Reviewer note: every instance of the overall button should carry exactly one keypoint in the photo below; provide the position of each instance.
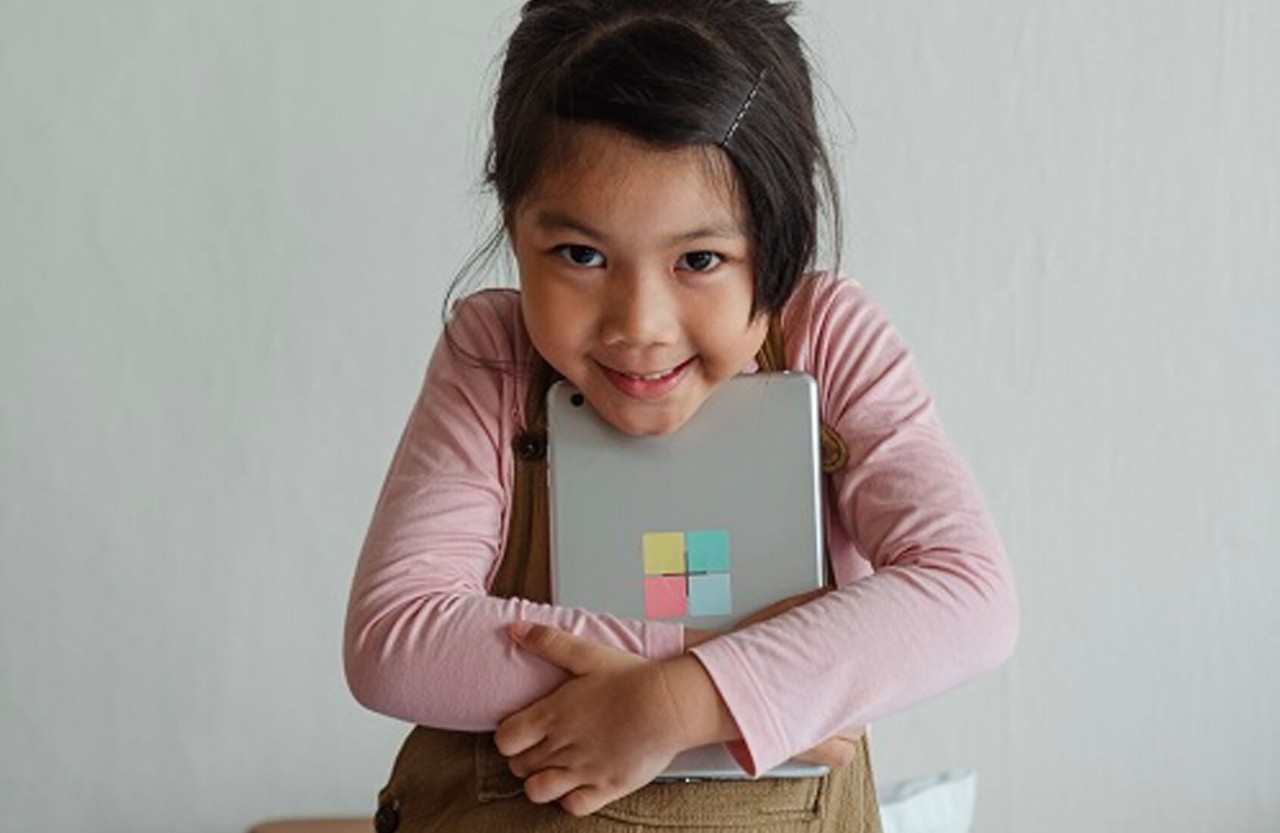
(387, 819)
(530, 446)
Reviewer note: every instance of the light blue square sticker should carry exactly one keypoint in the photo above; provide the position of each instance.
(710, 595)
(708, 550)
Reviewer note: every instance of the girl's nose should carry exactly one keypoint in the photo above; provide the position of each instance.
(640, 309)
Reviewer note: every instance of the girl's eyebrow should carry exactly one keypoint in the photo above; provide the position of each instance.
(549, 220)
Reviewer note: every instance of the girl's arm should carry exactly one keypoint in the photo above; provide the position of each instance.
(424, 641)
(926, 599)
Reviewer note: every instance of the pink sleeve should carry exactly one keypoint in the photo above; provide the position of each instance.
(926, 600)
(424, 641)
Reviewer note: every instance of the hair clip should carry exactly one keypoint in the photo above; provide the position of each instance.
(742, 112)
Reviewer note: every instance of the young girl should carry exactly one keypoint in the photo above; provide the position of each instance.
(658, 166)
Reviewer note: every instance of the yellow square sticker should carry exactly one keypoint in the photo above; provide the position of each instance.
(663, 553)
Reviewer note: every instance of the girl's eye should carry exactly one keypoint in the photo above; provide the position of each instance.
(581, 256)
(700, 261)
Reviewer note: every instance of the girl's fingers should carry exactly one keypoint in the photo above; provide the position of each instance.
(550, 784)
(780, 607)
(539, 757)
(835, 752)
(574, 654)
(585, 800)
(518, 733)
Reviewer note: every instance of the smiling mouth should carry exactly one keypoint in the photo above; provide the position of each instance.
(655, 376)
(649, 385)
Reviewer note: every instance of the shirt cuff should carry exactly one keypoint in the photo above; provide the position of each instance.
(763, 745)
(662, 640)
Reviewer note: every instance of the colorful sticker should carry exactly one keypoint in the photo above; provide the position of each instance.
(687, 574)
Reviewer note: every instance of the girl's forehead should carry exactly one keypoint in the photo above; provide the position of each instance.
(600, 166)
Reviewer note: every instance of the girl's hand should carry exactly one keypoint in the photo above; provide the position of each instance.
(836, 751)
(694, 637)
(613, 727)
(780, 607)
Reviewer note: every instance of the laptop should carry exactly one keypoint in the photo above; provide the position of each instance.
(703, 526)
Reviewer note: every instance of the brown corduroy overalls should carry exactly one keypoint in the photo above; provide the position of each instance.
(445, 782)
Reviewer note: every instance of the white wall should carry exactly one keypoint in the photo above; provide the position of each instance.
(225, 230)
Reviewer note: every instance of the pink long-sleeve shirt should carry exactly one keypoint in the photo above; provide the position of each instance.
(925, 602)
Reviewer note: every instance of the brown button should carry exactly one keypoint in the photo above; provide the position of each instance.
(530, 445)
(387, 819)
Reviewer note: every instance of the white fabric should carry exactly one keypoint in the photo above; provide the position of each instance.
(939, 803)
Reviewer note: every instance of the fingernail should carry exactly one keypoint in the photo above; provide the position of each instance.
(519, 630)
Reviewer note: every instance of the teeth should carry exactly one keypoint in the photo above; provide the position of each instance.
(650, 377)
(646, 377)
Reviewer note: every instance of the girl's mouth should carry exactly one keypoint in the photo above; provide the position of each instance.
(651, 385)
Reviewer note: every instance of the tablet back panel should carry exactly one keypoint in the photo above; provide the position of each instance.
(702, 526)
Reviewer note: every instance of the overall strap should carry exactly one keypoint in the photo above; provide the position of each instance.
(773, 357)
(525, 571)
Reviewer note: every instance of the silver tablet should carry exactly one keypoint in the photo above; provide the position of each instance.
(703, 526)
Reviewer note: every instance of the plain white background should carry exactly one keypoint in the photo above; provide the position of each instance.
(225, 233)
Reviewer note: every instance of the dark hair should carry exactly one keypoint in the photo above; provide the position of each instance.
(730, 74)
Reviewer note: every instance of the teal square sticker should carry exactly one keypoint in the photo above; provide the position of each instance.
(708, 551)
(710, 595)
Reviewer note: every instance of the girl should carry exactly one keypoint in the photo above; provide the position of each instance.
(658, 166)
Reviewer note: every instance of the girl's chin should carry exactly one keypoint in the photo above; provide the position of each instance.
(647, 428)
(640, 419)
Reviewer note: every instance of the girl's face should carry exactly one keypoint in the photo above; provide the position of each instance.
(636, 278)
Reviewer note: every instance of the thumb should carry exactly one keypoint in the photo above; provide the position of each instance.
(574, 654)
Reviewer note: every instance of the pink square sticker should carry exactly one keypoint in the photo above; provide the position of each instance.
(664, 597)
